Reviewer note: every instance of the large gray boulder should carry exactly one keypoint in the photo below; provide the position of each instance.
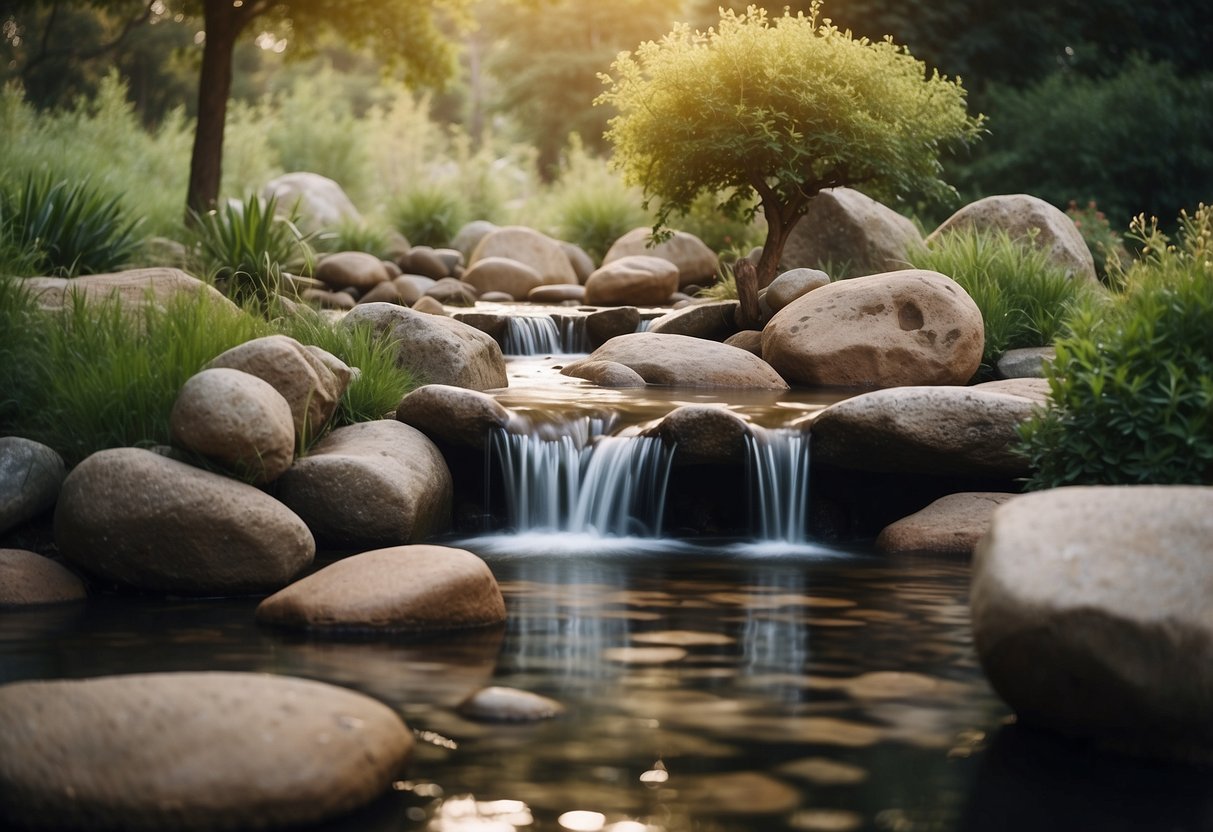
(682, 361)
(696, 262)
(925, 430)
(1027, 218)
(311, 380)
(236, 420)
(402, 588)
(377, 483)
(846, 229)
(319, 202)
(144, 521)
(1090, 610)
(540, 252)
(886, 330)
(192, 751)
(438, 349)
(30, 477)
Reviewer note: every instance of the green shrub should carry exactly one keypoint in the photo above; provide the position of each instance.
(66, 229)
(1106, 246)
(246, 248)
(1131, 390)
(721, 232)
(428, 214)
(352, 235)
(1024, 299)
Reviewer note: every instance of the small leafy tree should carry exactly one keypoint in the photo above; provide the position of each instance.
(779, 108)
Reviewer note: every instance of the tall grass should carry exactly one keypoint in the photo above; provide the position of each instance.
(428, 214)
(1024, 298)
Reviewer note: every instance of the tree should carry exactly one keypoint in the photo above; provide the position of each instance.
(779, 108)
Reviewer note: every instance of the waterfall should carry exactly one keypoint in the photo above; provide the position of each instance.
(584, 482)
(643, 325)
(778, 468)
(545, 335)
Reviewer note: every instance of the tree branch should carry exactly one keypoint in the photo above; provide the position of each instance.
(45, 53)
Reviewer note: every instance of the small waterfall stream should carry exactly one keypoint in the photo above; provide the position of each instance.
(545, 335)
(583, 481)
(778, 469)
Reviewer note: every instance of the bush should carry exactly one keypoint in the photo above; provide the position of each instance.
(429, 214)
(352, 235)
(1023, 297)
(719, 231)
(65, 229)
(1106, 246)
(1131, 391)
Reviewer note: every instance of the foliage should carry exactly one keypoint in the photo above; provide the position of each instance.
(246, 248)
(66, 228)
(429, 214)
(1131, 390)
(1024, 299)
(1107, 247)
(1119, 140)
(352, 235)
(780, 108)
(719, 231)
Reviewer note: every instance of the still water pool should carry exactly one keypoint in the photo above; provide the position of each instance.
(821, 692)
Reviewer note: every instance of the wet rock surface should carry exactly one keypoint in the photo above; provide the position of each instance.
(679, 360)
(31, 475)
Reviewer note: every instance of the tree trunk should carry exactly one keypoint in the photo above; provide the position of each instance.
(749, 315)
(772, 249)
(224, 23)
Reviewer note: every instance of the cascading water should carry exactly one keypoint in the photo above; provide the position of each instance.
(545, 335)
(778, 468)
(583, 481)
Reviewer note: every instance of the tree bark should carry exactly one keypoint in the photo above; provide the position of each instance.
(223, 22)
(749, 315)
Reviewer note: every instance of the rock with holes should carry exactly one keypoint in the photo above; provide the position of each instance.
(192, 751)
(30, 477)
(951, 525)
(850, 233)
(402, 588)
(713, 320)
(318, 201)
(438, 349)
(540, 252)
(453, 414)
(900, 328)
(953, 431)
(1030, 219)
(635, 280)
(29, 579)
(501, 274)
(695, 261)
(1091, 616)
(682, 361)
(371, 484)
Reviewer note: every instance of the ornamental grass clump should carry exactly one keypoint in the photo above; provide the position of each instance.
(1024, 298)
(770, 111)
(1131, 390)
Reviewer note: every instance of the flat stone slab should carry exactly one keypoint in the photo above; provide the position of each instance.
(192, 751)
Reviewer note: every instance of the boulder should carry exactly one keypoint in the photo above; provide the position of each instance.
(1036, 389)
(1026, 218)
(1090, 611)
(605, 324)
(192, 751)
(583, 264)
(370, 484)
(749, 340)
(695, 261)
(1028, 362)
(712, 320)
(500, 704)
(383, 293)
(540, 252)
(682, 361)
(351, 270)
(403, 588)
(393, 271)
(562, 293)
(638, 280)
(951, 525)
(494, 324)
(237, 420)
(29, 579)
(924, 430)
(500, 274)
(470, 235)
(452, 258)
(430, 306)
(496, 297)
(319, 202)
(902, 328)
(310, 379)
(412, 287)
(133, 290)
(438, 349)
(704, 434)
(328, 300)
(452, 292)
(424, 261)
(850, 232)
(608, 374)
(793, 284)
(31, 475)
(144, 521)
(452, 414)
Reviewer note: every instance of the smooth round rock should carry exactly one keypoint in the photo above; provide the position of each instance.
(192, 751)
(714, 320)
(452, 414)
(793, 284)
(320, 202)
(429, 306)
(351, 270)
(609, 374)
(425, 261)
(696, 262)
(148, 522)
(749, 340)
(540, 252)
(133, 290)
(635, 280)
(31, 475)
(383, 293)
(468, 237)
(501, 274)
(452, 292)
(236, 419)
(29, 579)
(402, 588)
(1027, 362)
(704, 434)
(951, 525)
(850, 231)
(501, 704)
(1091, 614)
(605, 324)
(682, 361)
(557, 293)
